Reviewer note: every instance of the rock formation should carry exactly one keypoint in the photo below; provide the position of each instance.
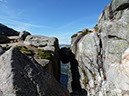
(23, 35)
(21, 77)
(44, 50)
(50, 44)
(103, 56)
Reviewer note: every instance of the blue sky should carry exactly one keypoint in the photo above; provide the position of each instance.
(55, 18)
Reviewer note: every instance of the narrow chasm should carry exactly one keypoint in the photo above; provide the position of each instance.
(65, 62)
(70, 68)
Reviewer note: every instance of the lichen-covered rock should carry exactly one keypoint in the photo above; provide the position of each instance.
(103, 56)
(21, 77)
(48, 45)
(40, 41)
(114, 10)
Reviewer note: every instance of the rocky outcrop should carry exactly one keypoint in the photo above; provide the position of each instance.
(21, 77)
(49, 44)
(4, 30)
(103, 56)
(23, 35)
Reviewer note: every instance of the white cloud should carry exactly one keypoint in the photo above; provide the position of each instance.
(5, 1)
(13, 18)
(19, 25)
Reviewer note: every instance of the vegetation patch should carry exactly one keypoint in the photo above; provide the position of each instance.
(85, 80)
(44, 54)
(25, 50)
(82, 32)
(96, 28)
(74, 35)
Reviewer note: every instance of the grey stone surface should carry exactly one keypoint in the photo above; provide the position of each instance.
(38, 40)
(114, 10)
(21, 77)
(47, 43)
(1, 50)
(103, 56)
(23, 35)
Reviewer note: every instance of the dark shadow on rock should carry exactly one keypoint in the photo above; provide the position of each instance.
(76, 87)
(67, 56)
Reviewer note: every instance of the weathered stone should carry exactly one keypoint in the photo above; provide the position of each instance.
(46, 64)
(21, 77)
(103, 58)
(40, 41)
(24, 34)
(47, 43)
(1, 50)
(114, 10)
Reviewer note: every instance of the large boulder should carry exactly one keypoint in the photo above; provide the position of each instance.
(40, 41)
(87, 56)
(21, 77)
(114, 10)
(23, 35)
(49, 44)
(103, 56)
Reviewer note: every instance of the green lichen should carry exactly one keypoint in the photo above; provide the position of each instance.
(73, 35)
(85, 80)
(25, 50)
(84, 33)
(44, 54)
(97, 29)
(83, 71)
(118, 47)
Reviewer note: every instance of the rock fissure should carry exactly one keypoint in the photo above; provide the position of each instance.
(123, 6)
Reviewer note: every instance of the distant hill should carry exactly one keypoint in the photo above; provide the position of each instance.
(64, 45)
(4, 30)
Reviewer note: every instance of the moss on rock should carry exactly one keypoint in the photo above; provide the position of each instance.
(44, 54)
(25, 50)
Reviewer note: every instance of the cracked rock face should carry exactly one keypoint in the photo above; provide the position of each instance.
(103, 56)
(21, 77)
